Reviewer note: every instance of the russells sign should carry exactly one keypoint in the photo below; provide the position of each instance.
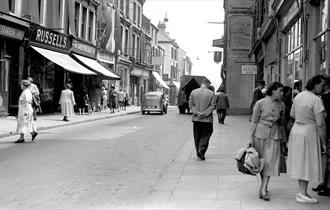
(49, 37)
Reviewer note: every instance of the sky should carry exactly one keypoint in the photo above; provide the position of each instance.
(188, 25)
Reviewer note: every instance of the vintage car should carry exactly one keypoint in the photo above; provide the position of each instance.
(154, 102)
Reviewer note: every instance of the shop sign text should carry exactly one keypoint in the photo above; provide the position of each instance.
(11, 32)
(50, 38)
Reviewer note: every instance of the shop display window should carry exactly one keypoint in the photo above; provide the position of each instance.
(43, 73)
(295, 72)
(324, 67)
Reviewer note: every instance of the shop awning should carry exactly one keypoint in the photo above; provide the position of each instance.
(176, 84)
(160, 80)
(93, 64)
(63, 60)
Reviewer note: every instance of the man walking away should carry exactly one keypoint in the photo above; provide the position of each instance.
(222, 105)
(257, 94)
(202, 104)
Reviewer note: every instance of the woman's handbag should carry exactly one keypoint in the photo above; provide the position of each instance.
(248, 161)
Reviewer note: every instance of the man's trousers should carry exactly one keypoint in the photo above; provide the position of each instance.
(221, 115)
(202, 134)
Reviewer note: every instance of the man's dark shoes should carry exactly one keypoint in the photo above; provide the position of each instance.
(324, 192)
(19, 141)
(34, 135)
(318, 188)
(65, 119)
(201, 156)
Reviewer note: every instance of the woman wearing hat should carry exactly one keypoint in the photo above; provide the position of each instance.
(104, 99)
(67, 102)
(25, 113)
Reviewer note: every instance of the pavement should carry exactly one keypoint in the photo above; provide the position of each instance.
(48, 121)
(216, 183)
(190, 183)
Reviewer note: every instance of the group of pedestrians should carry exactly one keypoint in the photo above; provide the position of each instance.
(115, 100)
(301, 125)
(29, 105)
(291, 135)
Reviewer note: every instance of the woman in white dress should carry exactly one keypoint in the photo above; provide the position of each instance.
(307, 138)
(67, 102)
(104, 98)
(25, 113)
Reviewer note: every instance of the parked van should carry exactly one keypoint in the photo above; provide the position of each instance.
(154, 102)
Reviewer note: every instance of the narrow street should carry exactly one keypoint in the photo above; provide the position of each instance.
(112, 162)
(137, 162)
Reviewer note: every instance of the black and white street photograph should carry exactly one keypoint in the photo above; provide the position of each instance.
(164, 105)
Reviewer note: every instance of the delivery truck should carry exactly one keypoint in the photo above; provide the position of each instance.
(187, 85)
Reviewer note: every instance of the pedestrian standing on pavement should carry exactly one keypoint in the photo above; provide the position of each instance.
(67, 102)
(257, 94)
(36, 100)
(266, 136)
(121, 99)
(323, 189)
(81, 99)
(104, 99)
(307, 138)
(25, 113)
(125, 99)
(112, 99)
(202, 104)
(287, 100)
(222, 105)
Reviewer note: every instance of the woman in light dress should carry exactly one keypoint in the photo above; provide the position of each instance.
(307, 138)
(67, 102)
(104, 95)
(266, 134)
(25, 113)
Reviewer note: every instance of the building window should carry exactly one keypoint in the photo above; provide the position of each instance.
(139, 16)
(127, 8)
(122, 38)
(116, 3)
(294, 55)
(83, 23)
(126, 41)
(133, 45)
(76, 17)
(134, 12)
(122, 6)
(325, 66)
(138, 51)
(90, 26)
(12, 6)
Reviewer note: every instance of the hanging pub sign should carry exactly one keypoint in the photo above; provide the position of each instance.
(45, 36)
(217, 56)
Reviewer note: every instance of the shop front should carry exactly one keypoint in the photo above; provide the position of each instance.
(86, 55)
(138, 86)
(51, 66)
(12, 31)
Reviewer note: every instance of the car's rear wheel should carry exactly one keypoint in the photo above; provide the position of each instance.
(143, 112)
